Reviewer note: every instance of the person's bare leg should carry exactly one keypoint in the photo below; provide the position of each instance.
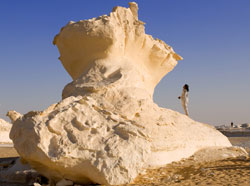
(186, 110)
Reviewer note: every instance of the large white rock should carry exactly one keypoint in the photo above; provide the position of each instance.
(107, 128)
(4, 131)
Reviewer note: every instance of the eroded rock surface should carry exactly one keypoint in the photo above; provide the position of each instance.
(107, 128)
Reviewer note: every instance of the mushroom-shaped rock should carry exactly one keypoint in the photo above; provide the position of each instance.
(107, 128)
(115, 40)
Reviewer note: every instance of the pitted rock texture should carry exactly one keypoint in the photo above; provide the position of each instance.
(107, 128)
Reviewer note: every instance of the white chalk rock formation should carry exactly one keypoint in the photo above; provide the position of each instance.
(115, 42)
(4, 131)
(245, 125)
(107, 128)
(13, 115)
(219, 153)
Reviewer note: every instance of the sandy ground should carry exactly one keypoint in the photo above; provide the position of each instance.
(187, 172)
(8, 152)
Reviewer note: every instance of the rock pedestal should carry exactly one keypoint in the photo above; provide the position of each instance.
(107, 128)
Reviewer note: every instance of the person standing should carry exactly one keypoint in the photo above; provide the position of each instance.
(184, 98)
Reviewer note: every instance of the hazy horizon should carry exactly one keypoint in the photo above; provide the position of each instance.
(212, 36)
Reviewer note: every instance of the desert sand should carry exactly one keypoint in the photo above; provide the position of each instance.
(233, 171)
(7, 152)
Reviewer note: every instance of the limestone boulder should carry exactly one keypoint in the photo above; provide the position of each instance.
(107, 129)
(4, 131)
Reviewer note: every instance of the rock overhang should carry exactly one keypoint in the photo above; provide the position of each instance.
(120, 37)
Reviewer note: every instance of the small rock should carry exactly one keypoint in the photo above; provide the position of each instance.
(203, 169)
(64, 182)
(36, 184)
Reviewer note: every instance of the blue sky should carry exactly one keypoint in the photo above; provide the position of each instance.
(213, 37)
